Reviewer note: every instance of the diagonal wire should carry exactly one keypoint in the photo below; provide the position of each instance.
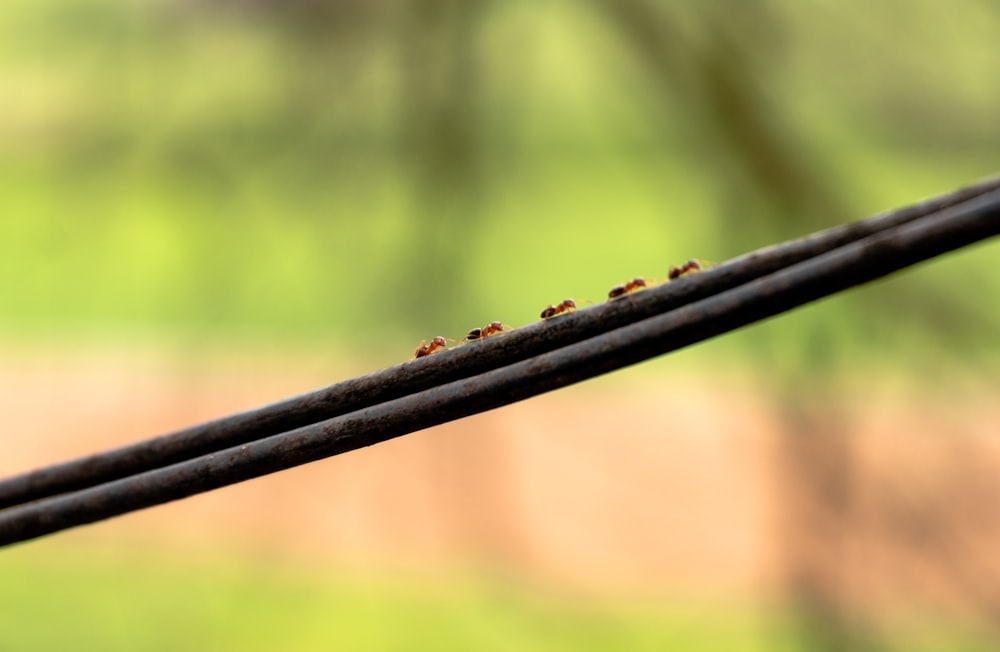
(862, 260)
(463, 362)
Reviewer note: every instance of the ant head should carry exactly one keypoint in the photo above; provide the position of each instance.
(495, 325)
(569, 303)
(439, 341)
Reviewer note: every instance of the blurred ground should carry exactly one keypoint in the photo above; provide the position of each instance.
(638, 484)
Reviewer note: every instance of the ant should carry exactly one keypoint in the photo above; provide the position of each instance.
(631, 286)
(690, 266)
(565, 306)
(486, 331)
(426, 349)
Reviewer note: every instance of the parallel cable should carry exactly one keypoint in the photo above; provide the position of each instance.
(862, 260)
(462, 362)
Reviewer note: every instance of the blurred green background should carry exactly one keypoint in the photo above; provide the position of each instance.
(366, 174)
(342, 179)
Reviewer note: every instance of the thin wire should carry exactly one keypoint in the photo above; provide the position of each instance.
(859, 262)
(455, 364)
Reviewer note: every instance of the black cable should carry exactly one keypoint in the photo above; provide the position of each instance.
(861, 261)
(462, 362)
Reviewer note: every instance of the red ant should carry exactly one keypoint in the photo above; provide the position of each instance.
(426, 349)
(631, 286)
(565, 306)
(690, 266)
(486, 331)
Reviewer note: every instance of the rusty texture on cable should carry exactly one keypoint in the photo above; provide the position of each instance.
(496, 371)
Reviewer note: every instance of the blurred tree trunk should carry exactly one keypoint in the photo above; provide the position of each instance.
(441, 151)
(816, 482)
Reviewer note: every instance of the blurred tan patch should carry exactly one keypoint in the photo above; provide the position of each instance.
(631, 482)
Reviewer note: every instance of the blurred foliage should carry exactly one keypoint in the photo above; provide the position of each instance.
(357, 173)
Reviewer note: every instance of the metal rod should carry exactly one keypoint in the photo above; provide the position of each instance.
(462, 362)
(859, 262)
